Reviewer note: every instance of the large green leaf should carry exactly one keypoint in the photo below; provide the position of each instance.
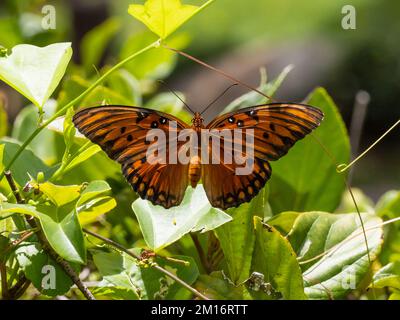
(40, 269)
(332, 251)
(274, 257)
(122, 271)
(163, 17)
(237, 237)
(306, 178)
(161, 227)
(35, 72)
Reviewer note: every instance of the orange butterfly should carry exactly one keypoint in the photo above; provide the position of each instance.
(121, 132)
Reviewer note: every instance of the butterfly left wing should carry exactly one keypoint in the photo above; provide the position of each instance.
(121, 132)
(276, 128)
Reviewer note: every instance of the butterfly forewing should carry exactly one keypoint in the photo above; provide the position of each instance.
(275, 129)
(121, 132)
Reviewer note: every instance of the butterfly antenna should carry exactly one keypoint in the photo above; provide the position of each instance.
(176, 95)
(223, 73)
(219, 97)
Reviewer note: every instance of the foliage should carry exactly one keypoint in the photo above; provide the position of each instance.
(300, 238)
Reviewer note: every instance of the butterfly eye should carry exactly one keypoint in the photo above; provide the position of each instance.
(240, 123)
(231, 120)
(154, 124)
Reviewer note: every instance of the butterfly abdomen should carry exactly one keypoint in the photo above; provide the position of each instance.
(194, 171)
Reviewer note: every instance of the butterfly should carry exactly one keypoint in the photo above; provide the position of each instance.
(121, 132)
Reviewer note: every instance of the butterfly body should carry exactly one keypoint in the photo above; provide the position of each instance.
(195, 161)
(122, 132)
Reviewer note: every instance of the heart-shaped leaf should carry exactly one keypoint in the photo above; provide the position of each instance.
(35, 72)
(161, 227)
(332, 251)
(163, 17)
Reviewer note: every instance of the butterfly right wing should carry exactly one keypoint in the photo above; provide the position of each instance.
(121, 132)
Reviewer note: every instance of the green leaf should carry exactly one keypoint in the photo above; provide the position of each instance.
(123, 82)
(163, 17)
(274, 257)
(388, 276)
(121, 271)
(388, 207)
(26, 164)
(35, 72)
(155, 64)
(93, 202)
(96, 40)
(38, 267)
(336, 245)
(60, 195)
(253, 98)
(283, 221)
(307, 176)
(91, 211)
(60, 226)
(26, 122)
(237, 237)
(161, 227)
(82, 157)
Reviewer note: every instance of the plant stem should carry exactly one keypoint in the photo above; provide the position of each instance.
(155, 266)
(200, 252)
(72, 103)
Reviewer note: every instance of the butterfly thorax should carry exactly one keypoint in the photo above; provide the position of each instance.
(198, 122)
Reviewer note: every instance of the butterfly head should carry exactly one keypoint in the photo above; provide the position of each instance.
(198, 120)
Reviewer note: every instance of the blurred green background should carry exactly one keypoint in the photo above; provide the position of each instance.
(241, 37)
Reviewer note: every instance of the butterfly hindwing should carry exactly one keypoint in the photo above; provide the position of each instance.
(276, 128)
(121, 132)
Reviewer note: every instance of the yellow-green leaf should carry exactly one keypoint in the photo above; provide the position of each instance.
(163, 17)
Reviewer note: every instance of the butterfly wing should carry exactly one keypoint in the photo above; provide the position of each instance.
(121, 132)
(276, 129)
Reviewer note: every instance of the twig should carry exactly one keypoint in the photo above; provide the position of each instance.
(46, 245)
(16, 242)
(155, 266)
(13, 187)
(200, 252)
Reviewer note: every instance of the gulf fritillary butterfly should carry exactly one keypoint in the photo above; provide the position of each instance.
(121, 132)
